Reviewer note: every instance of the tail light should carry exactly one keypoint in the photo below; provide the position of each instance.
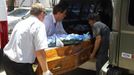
(3, 34)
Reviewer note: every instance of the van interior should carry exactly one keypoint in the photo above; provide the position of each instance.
(76, 20)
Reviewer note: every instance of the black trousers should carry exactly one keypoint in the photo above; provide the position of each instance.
(1, 60)
(13, 68)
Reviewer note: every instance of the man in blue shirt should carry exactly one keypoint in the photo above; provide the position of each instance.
(53, 21)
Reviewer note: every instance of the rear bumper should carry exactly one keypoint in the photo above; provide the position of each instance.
(104, 69)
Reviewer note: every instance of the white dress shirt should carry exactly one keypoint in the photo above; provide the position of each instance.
(27, 37)
(53, 27)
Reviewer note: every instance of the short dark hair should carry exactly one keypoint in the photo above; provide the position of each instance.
(94, 16)
(59, 8)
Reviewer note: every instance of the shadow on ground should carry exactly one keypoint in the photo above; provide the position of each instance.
(80, 71)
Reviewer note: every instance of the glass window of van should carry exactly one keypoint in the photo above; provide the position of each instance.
(131, 13)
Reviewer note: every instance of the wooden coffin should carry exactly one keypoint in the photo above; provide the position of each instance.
(67, 58)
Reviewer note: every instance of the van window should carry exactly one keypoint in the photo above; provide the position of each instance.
(131, 13)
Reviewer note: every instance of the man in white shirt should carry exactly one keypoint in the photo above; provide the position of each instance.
(28, 40)
(53, 21)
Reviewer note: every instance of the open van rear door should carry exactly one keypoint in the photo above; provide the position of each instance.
(126, 51)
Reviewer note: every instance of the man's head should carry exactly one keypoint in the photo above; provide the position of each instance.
(92, 18)
(59, 12)
(38, 10)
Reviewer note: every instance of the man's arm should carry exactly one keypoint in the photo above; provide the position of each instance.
(96, 46)
(61, 28)
(41, 57)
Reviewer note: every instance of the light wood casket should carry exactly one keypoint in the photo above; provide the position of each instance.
(67, 58)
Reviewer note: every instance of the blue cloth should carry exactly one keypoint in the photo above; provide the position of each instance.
(67, 39)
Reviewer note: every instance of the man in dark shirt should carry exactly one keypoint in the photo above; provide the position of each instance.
(101, 34)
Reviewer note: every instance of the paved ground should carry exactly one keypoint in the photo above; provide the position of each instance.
(85, 69)
(80, 71)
